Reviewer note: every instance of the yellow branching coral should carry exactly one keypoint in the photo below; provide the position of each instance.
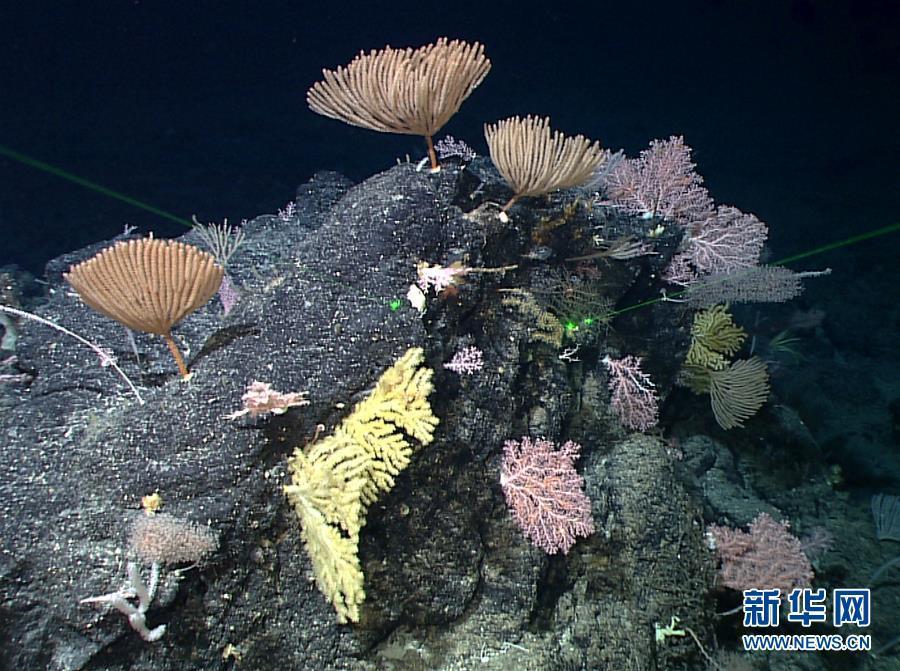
(335, 479)
(737, 389)
(714, 337)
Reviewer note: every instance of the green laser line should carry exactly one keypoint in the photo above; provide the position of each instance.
(393, 304)
(815, 251)
(93, 186)
(868, 235)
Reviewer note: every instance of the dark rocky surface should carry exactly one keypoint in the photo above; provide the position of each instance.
(450, 581)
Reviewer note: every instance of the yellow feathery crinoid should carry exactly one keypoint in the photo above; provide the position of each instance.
(737, 389)
(336, 478)
(714, 337)
(327, 501)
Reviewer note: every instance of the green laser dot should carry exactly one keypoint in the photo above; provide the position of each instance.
(395, 304)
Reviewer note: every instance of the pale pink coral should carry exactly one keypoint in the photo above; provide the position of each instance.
(545, 493)
(634, 398)
(661, 183)
(261, 399)
(767, 556)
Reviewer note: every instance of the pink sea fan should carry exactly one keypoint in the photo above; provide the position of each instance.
(634, 398)
(545, 493)
(661, 183)
(726, 241)
(767, 556)
(680, 271)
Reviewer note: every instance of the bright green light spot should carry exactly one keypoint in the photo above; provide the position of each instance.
(395, 304)
(587, 321)
(571, 326)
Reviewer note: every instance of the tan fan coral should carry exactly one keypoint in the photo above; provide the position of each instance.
(409, 91)
(148, 285)
(737, 392)
(737, 389)
(534, 161)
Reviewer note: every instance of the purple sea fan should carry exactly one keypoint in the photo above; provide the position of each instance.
(726, 241)
(661, 183)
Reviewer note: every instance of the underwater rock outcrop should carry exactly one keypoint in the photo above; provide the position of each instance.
(450, 580)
